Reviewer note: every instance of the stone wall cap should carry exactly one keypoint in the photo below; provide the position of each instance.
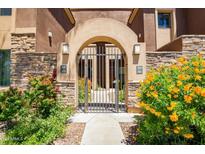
(134, 81)
(59, 82)
(159, 52)
(183, 36)
(34, 52)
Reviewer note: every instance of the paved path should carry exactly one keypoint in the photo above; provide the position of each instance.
(102, 128)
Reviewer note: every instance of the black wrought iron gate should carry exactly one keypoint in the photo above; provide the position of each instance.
(101, 84)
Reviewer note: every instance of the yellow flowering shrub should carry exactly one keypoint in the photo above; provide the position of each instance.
(173, 102)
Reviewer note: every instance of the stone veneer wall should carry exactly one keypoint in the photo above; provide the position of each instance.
(132, 99)
(67, 92)
(25, 64)
(193, 42)
(24, 42)
(25, 61)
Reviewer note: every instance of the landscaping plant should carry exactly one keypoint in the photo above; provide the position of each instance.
(36, 114)
(173, 102)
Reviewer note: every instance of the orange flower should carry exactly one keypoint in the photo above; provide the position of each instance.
(152, 111)
(142, 104)
(173, 117)
(196, 70)
(172, 106)
(181, 59)
(187, 87)
(179, 83)
(181, 77)
(188, 136)
(203, 63)
(197, 90)
(175, 90)
(151, 87)
(195, 63)
(158, 114)
(176, 130)
(203, 92)
(150, 77)
(169, 108)
(202, 71)
(187, 99)
(155, 94)
(198, 77)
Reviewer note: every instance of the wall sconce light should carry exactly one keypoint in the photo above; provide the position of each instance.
(136, 49)
(65, 48)
(50, 34)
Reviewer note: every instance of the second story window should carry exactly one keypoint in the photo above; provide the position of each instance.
(164, 20)
(5, 11)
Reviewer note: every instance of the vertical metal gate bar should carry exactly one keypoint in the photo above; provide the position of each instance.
(86, 83)
(111, 78)
(121, 81)
(93, 63)
(116, 84)
(89, 79)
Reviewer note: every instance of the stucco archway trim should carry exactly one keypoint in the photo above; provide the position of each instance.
(102, 28)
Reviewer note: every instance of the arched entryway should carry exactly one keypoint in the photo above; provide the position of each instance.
(102, 78)
(101, 31)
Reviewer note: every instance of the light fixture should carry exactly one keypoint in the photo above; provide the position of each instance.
(65, 48)
(136, 49)
(50, 34)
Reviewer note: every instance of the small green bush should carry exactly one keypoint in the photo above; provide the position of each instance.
(173, 101)
(37, 116)
(10, 103)
(35, 130)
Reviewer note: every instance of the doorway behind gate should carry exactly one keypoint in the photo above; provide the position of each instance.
(101, 78)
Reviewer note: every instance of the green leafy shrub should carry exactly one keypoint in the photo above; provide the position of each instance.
(173, 101)
(41, 95)
(35, 130)
(38, 117)
(10, 103)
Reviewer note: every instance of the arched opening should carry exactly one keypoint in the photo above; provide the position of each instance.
(102, 76)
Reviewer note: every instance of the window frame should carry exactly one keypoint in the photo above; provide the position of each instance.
(170, 20)
(6, 12)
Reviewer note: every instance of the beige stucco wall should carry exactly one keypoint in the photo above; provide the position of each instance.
(51, 20)
(103, 29)
(6, 27)
(83, 14)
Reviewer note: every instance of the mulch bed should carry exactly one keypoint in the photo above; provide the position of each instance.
(73, 135)
(129, 130)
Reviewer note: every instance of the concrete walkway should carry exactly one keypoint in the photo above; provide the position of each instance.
(102, 128)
